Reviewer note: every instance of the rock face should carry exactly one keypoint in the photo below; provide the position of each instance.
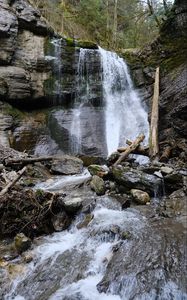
(32, 61)
(169, 51)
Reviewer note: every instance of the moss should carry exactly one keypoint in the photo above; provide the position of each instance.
(15, 113)
(86, 44)
(70, 42)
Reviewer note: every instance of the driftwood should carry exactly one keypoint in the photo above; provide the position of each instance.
(12, 183)
(153, 134)
(29, 160)
(130, 149)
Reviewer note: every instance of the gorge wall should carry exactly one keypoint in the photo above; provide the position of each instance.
(169, 51)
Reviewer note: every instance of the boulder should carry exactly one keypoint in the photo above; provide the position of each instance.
(100, 171)
(135, 179)
(97, 184)
(61, 221)
(72, 204)
(21, 242)
(140, 197)
(166, 170)
(67, 165)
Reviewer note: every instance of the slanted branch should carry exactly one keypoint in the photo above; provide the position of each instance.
(134, 145)
(153, 133)
(12, 183)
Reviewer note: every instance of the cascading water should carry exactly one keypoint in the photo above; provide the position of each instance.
(57, 68)
(125, 115)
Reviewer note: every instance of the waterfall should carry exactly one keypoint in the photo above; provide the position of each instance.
(125, 115)
(57, 68)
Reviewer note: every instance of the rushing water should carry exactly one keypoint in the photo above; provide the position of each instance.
(124, 114)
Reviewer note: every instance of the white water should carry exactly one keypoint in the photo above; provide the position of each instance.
(125, 116)
(90, 240)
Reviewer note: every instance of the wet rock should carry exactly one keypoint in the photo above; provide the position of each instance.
(100, 171)
(91, 160)
(131, 178)
(173, 181)
(112, 158)
(158, 174)
(88, 218)
(61, 221)
(98, 185)
(166, 170)
(21, 242)
(140, 197)
(174, 205)
(72, 204)
(125, 235)
(27, 258)
(67, 165)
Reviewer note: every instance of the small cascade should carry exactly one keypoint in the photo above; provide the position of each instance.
(125, 115)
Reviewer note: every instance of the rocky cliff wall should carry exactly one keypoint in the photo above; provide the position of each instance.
(27, 68)
(169, 51)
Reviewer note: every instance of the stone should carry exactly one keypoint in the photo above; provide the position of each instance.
(135, 179)
(21, 242)
(67, 165)
(158, 174)
(61, 221)
(98, 185)
(88, 218)
(166, 170)
(140, 197)
(73, 204)
(27, 258)
(100, 171)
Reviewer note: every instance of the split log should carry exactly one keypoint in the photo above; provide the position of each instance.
(153, 134)
(29, 160)
(130, 148)
(12, 183)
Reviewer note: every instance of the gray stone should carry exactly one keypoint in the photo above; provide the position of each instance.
(135, 179)
(72, 204)
(140, 197)
(67, 165)
(97, 184)
(61, 221)
(166, 170)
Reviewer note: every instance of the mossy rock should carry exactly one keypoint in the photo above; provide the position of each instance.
(86, 44)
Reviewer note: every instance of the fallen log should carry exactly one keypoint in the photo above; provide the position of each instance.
(26, 161)
(153, 132)
(139, 150)
(12, 183)
(130, 148)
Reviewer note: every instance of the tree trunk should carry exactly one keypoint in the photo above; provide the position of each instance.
(153, 134)
(130, 149)
(115, 24)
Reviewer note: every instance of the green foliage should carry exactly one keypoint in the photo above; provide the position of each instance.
(131, 24)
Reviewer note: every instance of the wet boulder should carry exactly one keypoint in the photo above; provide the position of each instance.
(100, 171)
(98, 185)
(61, 221)
(21, 242)
(72, 204)
(135, 179)
(139, 196)
(67, 165)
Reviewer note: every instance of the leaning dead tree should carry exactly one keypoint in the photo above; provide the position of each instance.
(133, 145)
(153, 133)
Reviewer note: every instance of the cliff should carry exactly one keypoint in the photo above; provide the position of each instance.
(169, 51)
